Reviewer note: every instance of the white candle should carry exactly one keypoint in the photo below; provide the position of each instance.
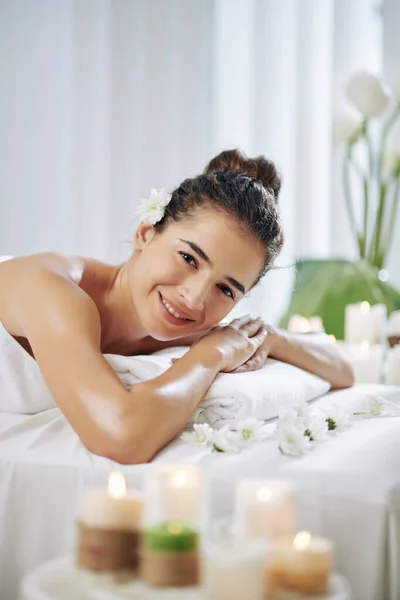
(265, 508)
(394, 323)
(114, 508)
(234, 571)
(393, 366)
(303, 564)
(366, 361)
(364, 323)
(175, 493)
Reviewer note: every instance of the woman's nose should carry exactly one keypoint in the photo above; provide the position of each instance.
(193, 292)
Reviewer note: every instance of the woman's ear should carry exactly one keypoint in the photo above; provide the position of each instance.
(143, 235)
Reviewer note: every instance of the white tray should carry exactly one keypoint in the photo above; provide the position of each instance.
(61, 580)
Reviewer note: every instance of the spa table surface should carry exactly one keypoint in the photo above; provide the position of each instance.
(349, 490)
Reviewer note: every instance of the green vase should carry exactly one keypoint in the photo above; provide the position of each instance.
(324, 288)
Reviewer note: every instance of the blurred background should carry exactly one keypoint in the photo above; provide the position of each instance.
(101, 100)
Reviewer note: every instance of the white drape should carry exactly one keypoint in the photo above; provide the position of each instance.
(100, 100)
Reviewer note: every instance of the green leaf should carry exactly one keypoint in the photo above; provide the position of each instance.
(324, 288)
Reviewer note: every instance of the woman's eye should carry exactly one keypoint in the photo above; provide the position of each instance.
(188, 258)
(227, 291)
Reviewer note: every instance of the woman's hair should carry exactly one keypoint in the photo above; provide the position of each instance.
(245, 188)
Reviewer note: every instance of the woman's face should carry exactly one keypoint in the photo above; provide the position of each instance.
(187, 278)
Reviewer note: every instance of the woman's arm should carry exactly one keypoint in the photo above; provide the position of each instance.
(313, 352)
(63, 327)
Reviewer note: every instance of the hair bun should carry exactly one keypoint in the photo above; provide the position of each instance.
(260, 168)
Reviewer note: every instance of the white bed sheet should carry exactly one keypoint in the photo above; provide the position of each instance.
(349, 490)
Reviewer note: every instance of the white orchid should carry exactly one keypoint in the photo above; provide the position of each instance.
(368, 93)
(291, 439)
(336, 417)
(250, 430)
(201, 435)
(152, 209)
(348, 128)
(226, 440)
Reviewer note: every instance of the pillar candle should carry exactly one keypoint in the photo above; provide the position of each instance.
(109, 523)
(175, 493)
(366, 361)
(234, 570)
(265, 508)
(302, 564)
(364, 323)
(170, 555)
(393, 366)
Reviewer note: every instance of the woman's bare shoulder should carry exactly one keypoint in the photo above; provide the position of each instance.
(38, 273)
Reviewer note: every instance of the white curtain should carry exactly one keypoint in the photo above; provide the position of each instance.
(100, 100)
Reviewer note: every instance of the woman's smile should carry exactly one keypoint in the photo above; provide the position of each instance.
(172, 313)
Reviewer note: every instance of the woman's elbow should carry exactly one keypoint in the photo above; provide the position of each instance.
(345, 378)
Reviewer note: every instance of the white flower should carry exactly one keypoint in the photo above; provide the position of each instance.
(225, 440)
(200, 436)
(250, 430)
(368, 93)
(151, 210)
(336, 417)
(317, 427)
(288, 415)
(291, 440)
(348, 128)
(374, 405)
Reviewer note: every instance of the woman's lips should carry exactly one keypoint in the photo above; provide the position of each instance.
(169, 317)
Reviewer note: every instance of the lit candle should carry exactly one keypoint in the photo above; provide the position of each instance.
(302, 565)
(265, 508)
(175, 493)
(366, 360)
(109, 525)
(394, 328)
(234, 571)
(393, 366)
(170, 556)
(364, 323)
(298, 324)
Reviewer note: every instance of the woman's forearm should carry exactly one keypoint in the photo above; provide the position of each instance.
(315, 353)
(161, 407)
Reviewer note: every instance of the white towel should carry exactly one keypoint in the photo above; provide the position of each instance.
(231, 397)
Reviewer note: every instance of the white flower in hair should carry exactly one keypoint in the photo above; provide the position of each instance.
(152, 209)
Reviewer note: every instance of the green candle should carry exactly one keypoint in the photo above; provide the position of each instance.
(172, 536)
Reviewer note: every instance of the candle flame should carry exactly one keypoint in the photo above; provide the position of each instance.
(365, 306)
(364, 346)
(116, 485)
(175, 528)
(302, 540)
(179, 479)
(304, 325)
(332, 337)
(264, 494)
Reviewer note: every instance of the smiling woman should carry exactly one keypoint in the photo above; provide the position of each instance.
(205, 246)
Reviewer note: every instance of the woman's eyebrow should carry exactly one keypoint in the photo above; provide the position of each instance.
(204, 256)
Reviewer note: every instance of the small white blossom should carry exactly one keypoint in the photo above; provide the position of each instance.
(152, 209)
(336, 417)
(368, 93)
(288, 415)
(374, 405)
(226, 440)
(250, 430)
(317, 427)
(291, 440)
(200, 436)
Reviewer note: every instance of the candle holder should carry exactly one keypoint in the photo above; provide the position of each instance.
(170, 555)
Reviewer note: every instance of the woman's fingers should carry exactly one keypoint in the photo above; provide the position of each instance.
(254, 363)
(239, 322)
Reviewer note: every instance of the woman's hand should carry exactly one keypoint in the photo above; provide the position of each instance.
(237, 343)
